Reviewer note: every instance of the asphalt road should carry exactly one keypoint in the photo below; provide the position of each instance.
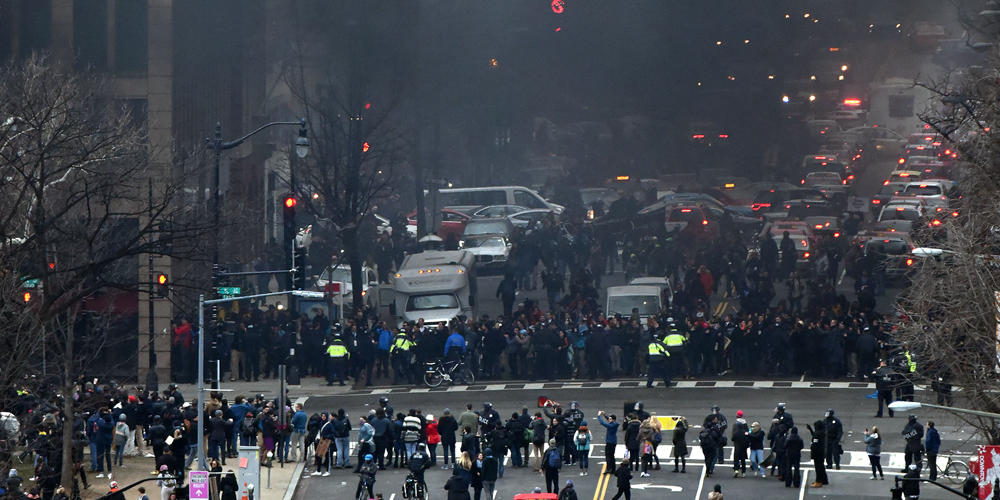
(806, 405)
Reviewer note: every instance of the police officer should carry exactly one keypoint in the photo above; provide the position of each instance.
(723, 424)
(913, 433)
(400, 354)
(418, 463)
(338, 354)
(834, 433)
(884, 382)
(572, 419)
(674, 341)
(657, 362)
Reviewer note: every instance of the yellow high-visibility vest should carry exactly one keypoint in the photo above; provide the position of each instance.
(657, 349)
(337, 351)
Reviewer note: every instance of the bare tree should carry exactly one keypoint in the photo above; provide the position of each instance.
(75, 213)
(951, 310)
(357, 144)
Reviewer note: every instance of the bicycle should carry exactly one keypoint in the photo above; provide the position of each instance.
(365, 484)
(437, 372)
(413, 489)
(955, 471)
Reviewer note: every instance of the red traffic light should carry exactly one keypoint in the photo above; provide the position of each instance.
(161, 279)
(290, 202)
(27, 297)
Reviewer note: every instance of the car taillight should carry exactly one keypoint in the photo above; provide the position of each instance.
(885, 182)
(844, 182)
(803, 181)
(850, 177)
(954, 214)
(902, 161)
(806, 255)
(935, 223)
(836, 234)
(788, 206)
(876, 201)
(818, 226)
(804, 243)
(704, 222)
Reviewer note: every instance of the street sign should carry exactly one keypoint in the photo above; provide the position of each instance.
(988, 470)
(332, 287)
(30, 282)
(198, 485)
(229, 290)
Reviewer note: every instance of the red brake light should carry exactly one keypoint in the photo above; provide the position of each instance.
(806, 255)
(698, 136)
(836, 234)
(685, 210)
(935, 222)
(723, 136)
(704, 222)
(876, 201)
(899, 209)
(902, 161)
(885, 182)
(850, 177)
(804, 243)
(853, 102)
(818, 226)
(954, 214)
(947, 151)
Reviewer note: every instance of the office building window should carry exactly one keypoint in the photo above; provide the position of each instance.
(131, 36)
(90, 33)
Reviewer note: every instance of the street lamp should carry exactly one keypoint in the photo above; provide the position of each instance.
(218, 145)
(915, 405)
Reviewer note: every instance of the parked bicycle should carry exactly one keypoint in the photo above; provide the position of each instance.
(440, 371)
(954, 470)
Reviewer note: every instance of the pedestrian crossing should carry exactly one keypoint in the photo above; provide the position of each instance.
(634, 383)
(890, 460)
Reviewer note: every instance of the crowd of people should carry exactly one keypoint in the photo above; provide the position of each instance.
(791, 319)
(474, 444)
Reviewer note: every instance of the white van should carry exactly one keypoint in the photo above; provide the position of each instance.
(622, 299)
(463, 199)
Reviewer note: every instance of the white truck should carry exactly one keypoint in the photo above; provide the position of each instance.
(434, 285)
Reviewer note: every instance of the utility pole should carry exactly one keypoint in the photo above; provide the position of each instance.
(151, 375)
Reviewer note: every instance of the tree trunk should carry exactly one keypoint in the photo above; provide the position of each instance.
(352, 247)
(66, 473)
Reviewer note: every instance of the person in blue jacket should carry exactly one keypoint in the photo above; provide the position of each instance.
(610, 423)
(299, 421)
(932, 443)
(240, 410)
(454, 347)
(382, 356)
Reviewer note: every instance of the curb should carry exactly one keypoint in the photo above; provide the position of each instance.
(293, 484)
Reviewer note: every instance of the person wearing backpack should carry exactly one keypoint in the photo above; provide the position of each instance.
(582, 438)
(518, 438)
(538, 428)
(551, 463)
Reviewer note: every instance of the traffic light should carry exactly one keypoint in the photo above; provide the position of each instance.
(162, 285)
(27, 297)
(288, 209)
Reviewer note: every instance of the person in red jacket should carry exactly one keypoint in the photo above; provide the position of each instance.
(180, 351)
(433, 438)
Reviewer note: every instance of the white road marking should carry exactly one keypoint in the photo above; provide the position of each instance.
(802, 487)
(701, 483)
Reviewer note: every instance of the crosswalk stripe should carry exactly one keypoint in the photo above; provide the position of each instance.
(890, 460)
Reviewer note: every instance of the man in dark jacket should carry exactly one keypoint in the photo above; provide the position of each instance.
(834, 434)
(610, 424)
(723, 424)
(515, 437)
(217, 437)
(623, 474)
(931, 446)
(447, 427)
(913, 433)
(818, 452)
(551, 463)
(793, 456)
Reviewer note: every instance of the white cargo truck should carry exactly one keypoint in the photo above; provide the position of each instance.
(434, 285)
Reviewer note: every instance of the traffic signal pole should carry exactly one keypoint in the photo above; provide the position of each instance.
(202, 465)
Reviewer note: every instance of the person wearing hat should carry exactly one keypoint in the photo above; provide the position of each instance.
(913, 433)
(121, 439)
(551, 463)
(366, 471)
(568, 493)
(741, 441)
(911, 482)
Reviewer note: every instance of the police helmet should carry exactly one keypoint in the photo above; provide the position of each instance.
(383, 400)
